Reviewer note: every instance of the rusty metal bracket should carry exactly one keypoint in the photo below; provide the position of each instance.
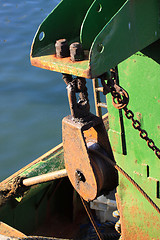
(110, 31)
(89, 175)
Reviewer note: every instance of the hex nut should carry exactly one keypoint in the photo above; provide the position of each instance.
(62, 48)
(76, 52)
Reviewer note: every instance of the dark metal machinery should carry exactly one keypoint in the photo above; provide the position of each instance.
(118, 43)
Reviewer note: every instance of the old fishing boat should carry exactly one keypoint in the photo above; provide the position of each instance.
(107, 163)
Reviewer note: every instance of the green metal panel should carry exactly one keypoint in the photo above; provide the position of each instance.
(138, 219)
(96, 18)
(110, 30)
(139, 76)
(63, 22)
(23, 212)
(131, 29)
(52, 162)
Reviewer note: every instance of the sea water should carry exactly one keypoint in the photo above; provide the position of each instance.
(33, 101)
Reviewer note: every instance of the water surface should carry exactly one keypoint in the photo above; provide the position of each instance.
(33, 101)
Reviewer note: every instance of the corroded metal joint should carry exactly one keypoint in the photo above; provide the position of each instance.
(80, 108)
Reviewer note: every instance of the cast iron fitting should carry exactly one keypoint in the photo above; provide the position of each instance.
(76, 52)
(62, 48)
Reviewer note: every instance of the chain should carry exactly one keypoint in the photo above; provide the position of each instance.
(142, 133)
(120, 99)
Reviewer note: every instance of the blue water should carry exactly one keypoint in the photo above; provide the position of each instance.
(33, 101)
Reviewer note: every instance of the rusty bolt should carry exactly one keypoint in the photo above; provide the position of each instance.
(79, 176)
(76, 52)
(62, 48)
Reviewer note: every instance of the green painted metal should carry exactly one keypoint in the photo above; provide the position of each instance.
(139, 76)
(52, 162)
(98, 15)
(28, 215)
(23, 212)
(132, 28)
(126, 29)
(110, 30)
(63, 22)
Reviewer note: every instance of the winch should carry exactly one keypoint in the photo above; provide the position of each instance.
(122, 35)
(83, 132)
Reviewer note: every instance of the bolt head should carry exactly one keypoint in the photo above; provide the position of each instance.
(76, 52)
(62, 48)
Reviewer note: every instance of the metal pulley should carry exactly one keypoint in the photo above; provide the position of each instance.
(82, 131)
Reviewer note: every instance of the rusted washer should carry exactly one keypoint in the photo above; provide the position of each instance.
(62, 48)
(76, 52)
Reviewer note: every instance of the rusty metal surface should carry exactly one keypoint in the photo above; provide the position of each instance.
(129, 210)
(79, 108)
(64, 65)
(8, 231)
(76, 158)
(89, 174)
(86, 173)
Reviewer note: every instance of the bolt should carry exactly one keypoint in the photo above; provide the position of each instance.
(79, 176)
(76, 52)
(62, 48)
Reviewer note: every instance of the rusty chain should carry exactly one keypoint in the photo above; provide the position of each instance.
(142, 133)
(120, 99)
